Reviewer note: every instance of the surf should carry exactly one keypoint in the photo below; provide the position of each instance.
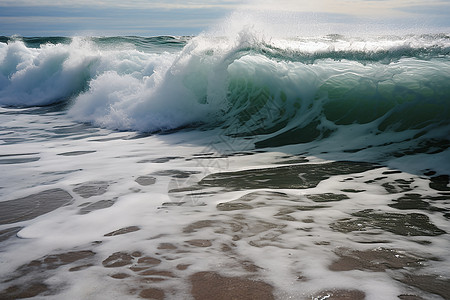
(245, 79)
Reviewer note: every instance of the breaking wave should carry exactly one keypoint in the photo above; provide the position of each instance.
(287, 90)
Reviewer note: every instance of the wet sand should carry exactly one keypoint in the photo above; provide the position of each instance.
(167, 273)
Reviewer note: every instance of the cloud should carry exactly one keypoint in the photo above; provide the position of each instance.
(130, 4)
(102, 19)
(374, 8)
(176, 17)
(438, 9)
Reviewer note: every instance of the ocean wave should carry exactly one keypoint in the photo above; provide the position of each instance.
(286, 90)
(55, 72)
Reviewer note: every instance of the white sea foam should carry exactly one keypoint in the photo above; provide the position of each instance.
(302, 248)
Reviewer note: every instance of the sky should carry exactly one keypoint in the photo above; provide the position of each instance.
(175, 17)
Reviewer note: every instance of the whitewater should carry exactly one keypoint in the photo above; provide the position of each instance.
(245, 165)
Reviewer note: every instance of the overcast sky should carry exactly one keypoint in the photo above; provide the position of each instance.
(173, 17)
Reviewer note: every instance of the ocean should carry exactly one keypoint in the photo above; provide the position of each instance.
(240, 166)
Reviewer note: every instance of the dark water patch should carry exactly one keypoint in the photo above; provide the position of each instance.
(378, 260)
(106, 139)
(423, 242)
(410, 201)
(145, 180)
(35, 274)
(162, 160)
(65, 172)
(269, 195)
(144, 161)
(415, 201)
(440, 183)
(157, 275)
(284, 214)
(207, 155)
(292, 209)
(91, 188)
(429, 172)
(167, 246)
(8, 233)
(442, 197)
(12, 161)
(398, 186)
(152, 293)
(138, 135)
(30, 207)
(371, 241)
(412, 224)
(355, 150)
(258, 233)
(285, 217)
(210, 285)
(175, 173)
(429, 283)
(90, 207)
(391, 172)
(125, 230)
(76, 153)
(262, 199)
(172, 204)
(146, 261)
(29, 290)
(54, 261)
(327, 197)
(18, 154)
(199, 243)
(409, 297)
(194, 227)
(243, 153)
(229, 206)
(214, 155)
(76, 128)
(120, 276)
(431, 146)
(352, 191)
(340, 295)
(285, 177)
(368, 181)
(203, 154)
(118, 259)
(12, 141)
(80, 137)
(80, 268)
(290, 160)
(137, 262)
